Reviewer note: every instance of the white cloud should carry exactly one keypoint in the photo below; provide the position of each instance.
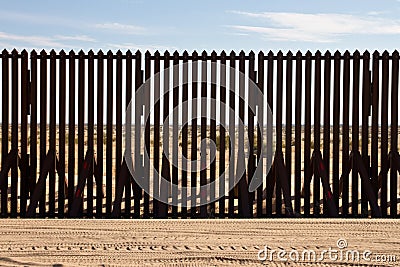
(122, 28)
(81, 38)
(41, 42)
(32, 40)
(143, 48)
(316, 27)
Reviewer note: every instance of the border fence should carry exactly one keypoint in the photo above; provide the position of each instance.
(331, 138)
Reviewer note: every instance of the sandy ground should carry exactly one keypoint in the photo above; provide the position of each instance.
(194, 242)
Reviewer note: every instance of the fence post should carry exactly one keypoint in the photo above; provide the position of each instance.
(345, 134)
(61, 141)
(317, 129)
(71, 130)
(297, 155)
(394, 132)
(24, 165)
(355, 129)
(185, 77)
(52, 142)
(307, 135)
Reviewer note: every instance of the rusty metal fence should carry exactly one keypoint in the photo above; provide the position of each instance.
(331, 136)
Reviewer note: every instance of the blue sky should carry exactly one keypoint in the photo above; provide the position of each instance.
(201, 25)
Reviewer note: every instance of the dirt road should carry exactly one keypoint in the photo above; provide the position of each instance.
(197, 242)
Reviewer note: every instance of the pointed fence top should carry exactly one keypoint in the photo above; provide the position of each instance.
(376, 54)
(62, 53)
(195, 55)
(251, 54)
(214, 55)
(280, 55)
(204, 55)
(91, 54)
(327, 54)
(185, 55)
(347, 55)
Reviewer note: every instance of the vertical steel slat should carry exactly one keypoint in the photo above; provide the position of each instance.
(156, 151)
(270, 176)
(297, 155)
(213, 130)
(279, 105)
(138, 164)
(165, 186)
(244, 207)
(355, 130)
(146, 98)
(61, 135)
(5, 127)
(307, 135)
(175, 137)
(317, 130)
(90, 142)
(394, 132)
(375, 126)
(24, 190)
(336, 130)
(185, 76)
(118, 132)
(71, 130)
(327, 118)
(260, 135)
(14, 133)
(366, 96)
(128, 130)
(222, 136)
(345, 134)
(384, 131)
(43, 125)
(252, 93)
(289, 121)
(33, 123)
(100, 136)
(193, 157)
(109, 134)
(232, 138)
(203, 148)
(52, 143)
(81, 117)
